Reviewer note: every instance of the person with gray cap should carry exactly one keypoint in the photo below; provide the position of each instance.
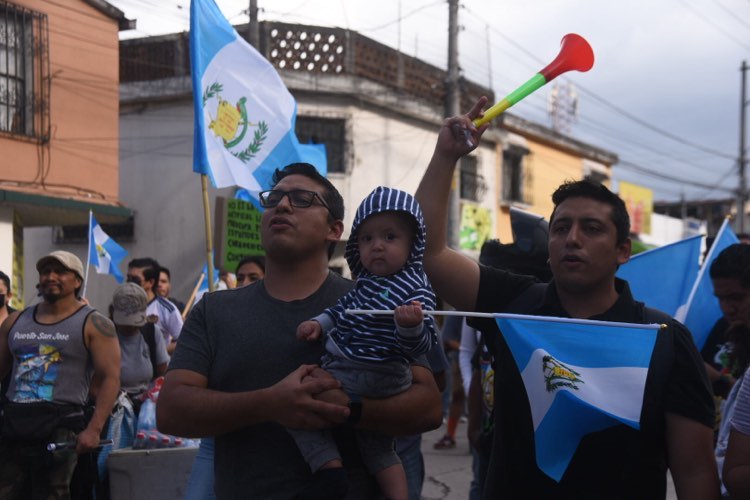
(53, 350)
(143, 353)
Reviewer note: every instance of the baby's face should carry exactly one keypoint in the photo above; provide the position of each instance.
(385, 241)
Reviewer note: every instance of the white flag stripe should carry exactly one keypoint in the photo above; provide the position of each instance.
(269, 102)
(617, 391)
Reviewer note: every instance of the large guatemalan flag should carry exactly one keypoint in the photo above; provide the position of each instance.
(244, 115)
(580, 377)
(701, 310)
(104, 252)
(663, 277)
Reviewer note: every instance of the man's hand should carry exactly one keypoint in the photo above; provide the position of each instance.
(458, 135)
(293, 403)
(309, 330)
(409, 315)
(87, 440)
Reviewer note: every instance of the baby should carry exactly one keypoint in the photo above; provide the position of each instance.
(371, 354)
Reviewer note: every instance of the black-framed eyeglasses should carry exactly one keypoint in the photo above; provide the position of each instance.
(299, 198)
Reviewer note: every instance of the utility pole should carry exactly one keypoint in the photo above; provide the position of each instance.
(253, 33)
(452, 105)
(742, 188)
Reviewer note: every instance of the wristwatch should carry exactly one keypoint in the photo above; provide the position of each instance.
(355, 409)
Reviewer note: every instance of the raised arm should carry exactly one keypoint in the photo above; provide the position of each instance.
(454, 277)
(101, 340)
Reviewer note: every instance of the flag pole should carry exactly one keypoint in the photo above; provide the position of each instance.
(88, 257)
(209, 238)
(701, 272)
(551, 319)
(190, 301)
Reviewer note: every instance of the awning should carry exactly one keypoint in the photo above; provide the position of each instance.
(47, 210)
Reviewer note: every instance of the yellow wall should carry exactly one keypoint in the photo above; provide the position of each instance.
(545, 168)
(84, 105)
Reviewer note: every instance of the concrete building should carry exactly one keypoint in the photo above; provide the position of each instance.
(58, 118)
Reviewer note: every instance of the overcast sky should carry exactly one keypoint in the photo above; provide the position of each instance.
(664, 93)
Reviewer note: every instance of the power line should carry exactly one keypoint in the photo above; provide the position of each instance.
(715, 26)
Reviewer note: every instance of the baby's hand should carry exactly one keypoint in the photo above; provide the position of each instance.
(309, 330)
(409, 315)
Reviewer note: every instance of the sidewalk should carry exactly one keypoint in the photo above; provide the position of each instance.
(447, 472)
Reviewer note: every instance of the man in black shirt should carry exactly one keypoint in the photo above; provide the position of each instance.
(588, 240)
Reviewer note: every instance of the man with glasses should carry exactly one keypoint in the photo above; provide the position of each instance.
(240, 374)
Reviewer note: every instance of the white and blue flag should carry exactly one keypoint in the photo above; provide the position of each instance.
(244, 115)
(104, 252)
(580, 377)
(701, 310)
(663, 277)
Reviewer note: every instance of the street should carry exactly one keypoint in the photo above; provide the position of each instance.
(448, 472)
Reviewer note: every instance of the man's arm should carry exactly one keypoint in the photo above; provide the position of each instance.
(6, 359)
(454, 277)
(691, 458)
(186, 407)
(416, 410)
(101, 339)
(736, 472)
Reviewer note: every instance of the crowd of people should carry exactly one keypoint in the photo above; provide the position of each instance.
(294, 395)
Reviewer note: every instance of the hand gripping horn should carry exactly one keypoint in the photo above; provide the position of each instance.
(575, 54)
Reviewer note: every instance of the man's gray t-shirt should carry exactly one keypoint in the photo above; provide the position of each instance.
(244, 340)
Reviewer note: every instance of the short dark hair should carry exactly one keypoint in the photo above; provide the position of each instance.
(150, 268)
(258, 260)
(331, 195)
(5, 279)
(587, 188)
(164, 270)
(734, 263)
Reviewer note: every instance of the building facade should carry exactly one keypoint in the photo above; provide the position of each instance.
(58, 123)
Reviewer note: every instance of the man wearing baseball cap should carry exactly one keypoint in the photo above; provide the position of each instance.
(52, 350)
(143, 350)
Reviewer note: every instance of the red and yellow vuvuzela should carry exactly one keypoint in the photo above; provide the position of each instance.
(575, 54)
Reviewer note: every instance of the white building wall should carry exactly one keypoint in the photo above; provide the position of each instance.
(158, 184)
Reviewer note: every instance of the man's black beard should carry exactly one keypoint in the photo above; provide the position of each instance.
(50, 297)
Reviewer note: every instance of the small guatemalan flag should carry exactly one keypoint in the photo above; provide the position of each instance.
(104, 253)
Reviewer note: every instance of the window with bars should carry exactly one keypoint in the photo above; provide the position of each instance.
(513, 174)
(473, 186)
(328, 131)
(23, 71)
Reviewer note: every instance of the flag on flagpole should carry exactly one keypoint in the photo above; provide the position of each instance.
(244, 115)
(104, 252)
(203, 288)
(580, 377)
(663, 277)
(701, 310)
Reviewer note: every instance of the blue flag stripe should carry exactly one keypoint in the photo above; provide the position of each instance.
(674, 267)
(583, 344)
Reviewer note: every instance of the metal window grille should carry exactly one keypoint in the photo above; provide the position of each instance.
(24, 71)
(328, 131)
(473, 186)
(513, 175)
